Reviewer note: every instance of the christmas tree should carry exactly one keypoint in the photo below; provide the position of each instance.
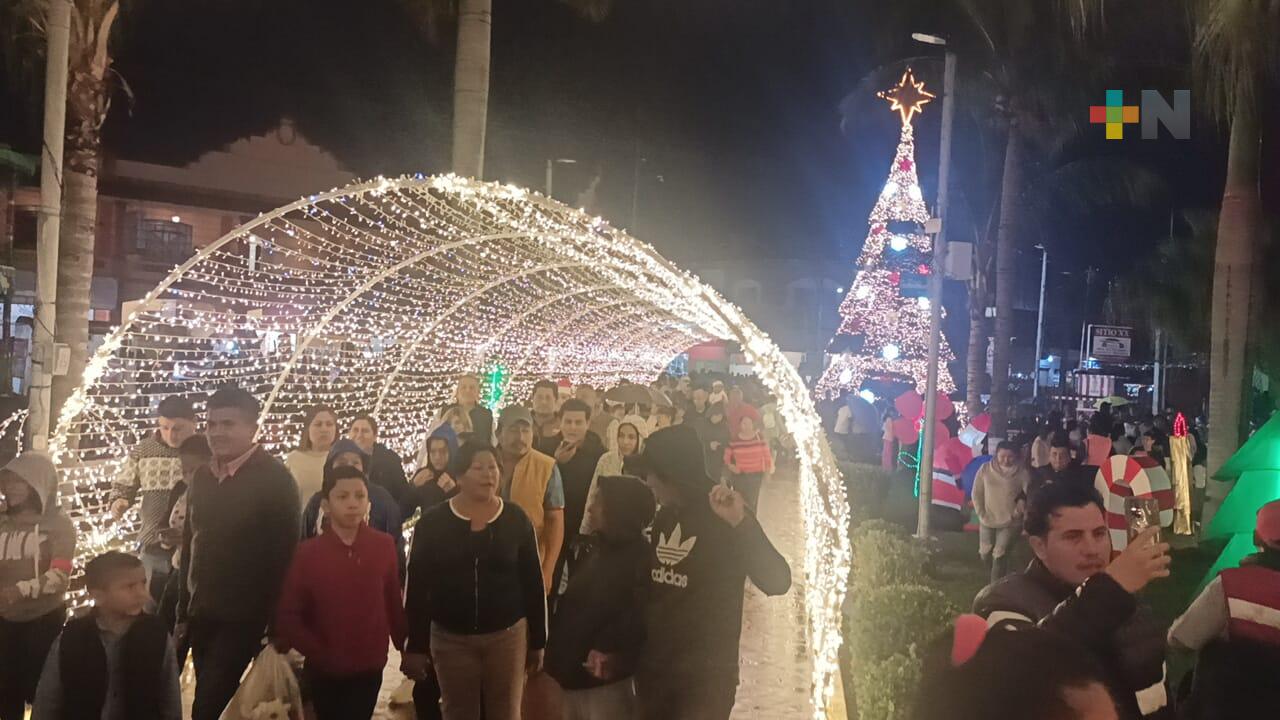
(1256, 470)
(883, 339)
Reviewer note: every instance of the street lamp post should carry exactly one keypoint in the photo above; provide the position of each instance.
(551, 171)
(925, 466)
(1044, 268)
(58, 31)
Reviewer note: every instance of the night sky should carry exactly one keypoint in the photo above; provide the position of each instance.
(739, 127)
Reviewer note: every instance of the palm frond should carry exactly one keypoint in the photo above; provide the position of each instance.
(1236, 47)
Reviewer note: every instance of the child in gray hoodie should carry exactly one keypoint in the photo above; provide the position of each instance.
(37, 544)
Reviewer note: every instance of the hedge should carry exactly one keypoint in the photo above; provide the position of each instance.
(866, 487)
(889, 620)
(886, 688)
(875, 525)
(881, 558)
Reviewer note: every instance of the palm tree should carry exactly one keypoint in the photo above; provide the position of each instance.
(1236, 50)
(90, 84)
(471, 68)
(88, 101)
(1022, 45)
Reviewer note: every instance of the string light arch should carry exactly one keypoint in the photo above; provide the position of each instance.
(377, 295)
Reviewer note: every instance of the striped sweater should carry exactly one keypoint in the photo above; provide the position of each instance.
(151, 470)
(749, 456)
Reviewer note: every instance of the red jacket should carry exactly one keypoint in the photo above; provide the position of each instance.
(341, 603)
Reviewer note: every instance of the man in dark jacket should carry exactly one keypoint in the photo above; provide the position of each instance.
(577, 451)
(241, 530)
(706, 543)
(1074, 588)
(1061, 468)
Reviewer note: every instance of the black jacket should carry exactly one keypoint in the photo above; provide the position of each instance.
(698, 568)
(1106, 620)
(576, 476)
(82, 663)
(602, 609)
(1073, 474)
(472, 583)
(238, 540)
(387, 470)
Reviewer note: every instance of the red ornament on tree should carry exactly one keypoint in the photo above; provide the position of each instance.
(895, 277)
(905, 164)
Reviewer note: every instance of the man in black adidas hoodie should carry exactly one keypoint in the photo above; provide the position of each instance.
(706, 542)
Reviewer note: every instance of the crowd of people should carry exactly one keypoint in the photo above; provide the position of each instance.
(1096, 649)
(574, 558)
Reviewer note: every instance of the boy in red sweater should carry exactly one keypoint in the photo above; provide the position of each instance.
(341, 602)
(748, 460)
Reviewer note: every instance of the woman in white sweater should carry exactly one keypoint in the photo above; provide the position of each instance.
(631, 435)
(999, 497)
(319, 431)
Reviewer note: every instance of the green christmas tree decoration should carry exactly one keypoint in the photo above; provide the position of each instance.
(1256, 469)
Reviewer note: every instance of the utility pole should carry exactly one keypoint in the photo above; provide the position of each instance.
(551, 172)
(925, 467)
(58, 37)
(1044, 271)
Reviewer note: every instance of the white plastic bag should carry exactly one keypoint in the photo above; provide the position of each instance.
(268, 692)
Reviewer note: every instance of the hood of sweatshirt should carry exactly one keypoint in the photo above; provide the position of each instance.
(37, 469)
(347, 445)
(675, 454)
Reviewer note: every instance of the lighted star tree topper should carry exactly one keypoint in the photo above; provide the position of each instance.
(884, 330)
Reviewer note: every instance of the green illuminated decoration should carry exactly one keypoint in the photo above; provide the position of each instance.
(1256, 469)
(493, 384)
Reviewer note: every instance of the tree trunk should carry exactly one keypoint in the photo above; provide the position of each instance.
(471, 86)
(976, 373)
(1006, 255)
(87, 104)
(1238, 232)
(75, 277)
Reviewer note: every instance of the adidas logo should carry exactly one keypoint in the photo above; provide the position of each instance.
(671, 550)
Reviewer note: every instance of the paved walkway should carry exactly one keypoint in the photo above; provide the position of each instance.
(775, 659)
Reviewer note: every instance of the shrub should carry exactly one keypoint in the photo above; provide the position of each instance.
(885, 689)
(866, 487)
(880, 559)
(890, 619)
(885, 526)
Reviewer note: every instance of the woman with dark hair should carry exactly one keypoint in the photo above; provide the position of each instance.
(432, 484)
(599, 622)
(385, 468)
(1027, 674)
(306, 463)
(476, 603)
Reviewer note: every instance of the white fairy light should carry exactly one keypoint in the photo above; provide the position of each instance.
(374, 297)
(890, 352)
(898, 243)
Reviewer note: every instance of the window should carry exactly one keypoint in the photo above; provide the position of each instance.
(163, 240)
(25, 223)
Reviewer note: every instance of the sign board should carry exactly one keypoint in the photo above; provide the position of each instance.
(1110, 343)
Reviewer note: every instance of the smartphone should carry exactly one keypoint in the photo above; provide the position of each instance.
(1142, 513)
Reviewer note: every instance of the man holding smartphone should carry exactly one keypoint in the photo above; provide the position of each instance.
(1074, 587)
